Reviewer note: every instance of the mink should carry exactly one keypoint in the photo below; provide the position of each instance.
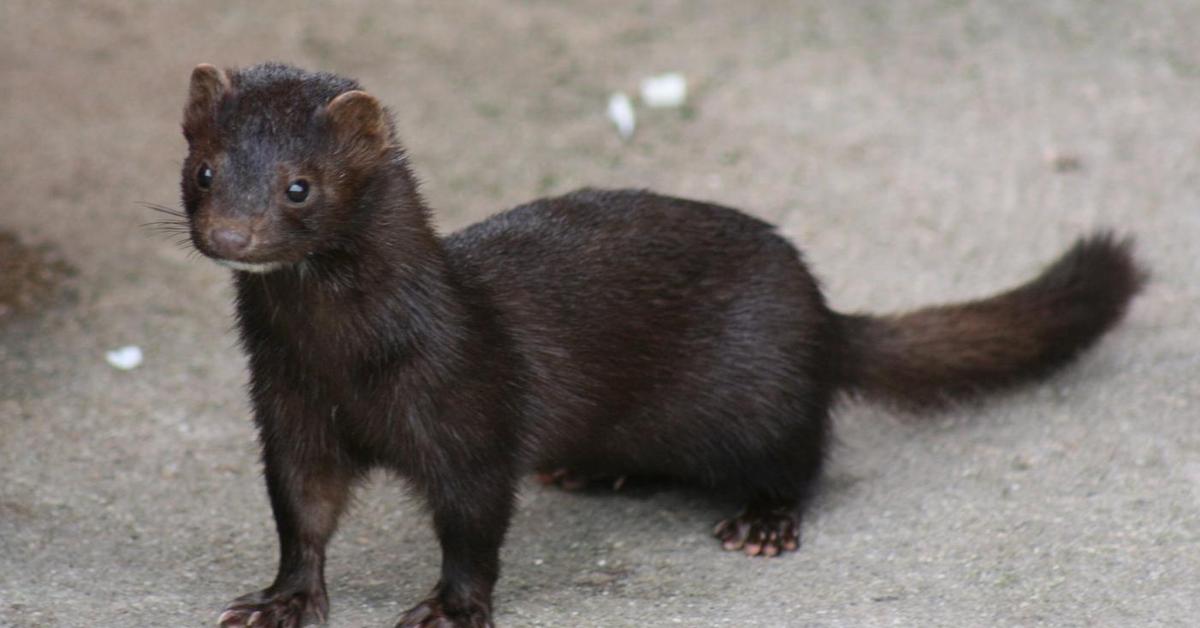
(596, 334)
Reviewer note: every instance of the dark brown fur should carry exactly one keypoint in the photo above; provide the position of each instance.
(597, 334)
(938, 354)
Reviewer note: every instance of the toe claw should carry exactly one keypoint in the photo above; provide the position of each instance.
(760, 532)
(431, 614)
(274, 609)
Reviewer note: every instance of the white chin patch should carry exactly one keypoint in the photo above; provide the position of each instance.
(250, 268)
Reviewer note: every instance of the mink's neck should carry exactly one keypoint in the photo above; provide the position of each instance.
(386, 290)
(389, 242)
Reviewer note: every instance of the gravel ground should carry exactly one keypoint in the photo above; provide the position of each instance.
(918, 151)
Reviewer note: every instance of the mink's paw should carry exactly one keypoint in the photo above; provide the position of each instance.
(760, 533)
(267, 609)
(432, 614)
(570, 481)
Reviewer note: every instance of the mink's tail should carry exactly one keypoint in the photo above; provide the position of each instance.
(942, 353)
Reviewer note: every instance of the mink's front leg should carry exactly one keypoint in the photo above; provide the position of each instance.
(308, 493)
(470, 514)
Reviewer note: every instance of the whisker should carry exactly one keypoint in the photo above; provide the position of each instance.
(165, 225)
(163, 209)
(168, 231)
(176, 228)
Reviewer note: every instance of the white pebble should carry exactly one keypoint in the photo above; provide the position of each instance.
(664, 90)
(125, 358)
(620, 111)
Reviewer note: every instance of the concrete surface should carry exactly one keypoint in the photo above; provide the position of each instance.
(918, 151)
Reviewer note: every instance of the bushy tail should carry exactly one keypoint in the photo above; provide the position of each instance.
(947, 352)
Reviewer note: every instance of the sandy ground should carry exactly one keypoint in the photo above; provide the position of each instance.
(918, 151)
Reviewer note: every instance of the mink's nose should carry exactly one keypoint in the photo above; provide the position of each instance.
(228, 241)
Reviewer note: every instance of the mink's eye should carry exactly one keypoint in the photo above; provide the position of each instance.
(297, 191)
(204, 176)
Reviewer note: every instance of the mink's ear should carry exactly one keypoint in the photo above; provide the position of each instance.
(359, 122)
(207, 88)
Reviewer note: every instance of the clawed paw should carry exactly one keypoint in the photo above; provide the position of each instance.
(760, 533)
(568, 480)
(432, 614)
(266, 609)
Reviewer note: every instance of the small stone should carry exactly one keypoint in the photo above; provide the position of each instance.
(125, 358)
(664, 90)
(1063, 162)
(620, 111)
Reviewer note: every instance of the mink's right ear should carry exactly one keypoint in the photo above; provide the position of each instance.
(207, 88)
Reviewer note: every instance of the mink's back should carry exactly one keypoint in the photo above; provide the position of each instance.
(658, 334)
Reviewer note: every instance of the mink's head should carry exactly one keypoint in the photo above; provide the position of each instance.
(277, 160)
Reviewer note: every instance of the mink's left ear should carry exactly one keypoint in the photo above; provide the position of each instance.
(359, 123)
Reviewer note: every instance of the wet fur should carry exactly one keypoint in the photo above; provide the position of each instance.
(606, 332)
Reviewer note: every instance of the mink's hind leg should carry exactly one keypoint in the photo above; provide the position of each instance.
(780, 487)
(565, 479)
(770, 523)
(569, 480)
(765, 528)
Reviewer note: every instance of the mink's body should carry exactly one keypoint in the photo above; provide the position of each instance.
(636, 351)
(601, 333)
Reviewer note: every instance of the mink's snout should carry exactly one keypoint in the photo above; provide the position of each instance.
(226, 239)
(229, 241)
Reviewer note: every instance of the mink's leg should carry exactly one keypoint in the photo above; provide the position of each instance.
(765, 528)
(780, 486)
(471, 526)
(568, 480)
(307, 498)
